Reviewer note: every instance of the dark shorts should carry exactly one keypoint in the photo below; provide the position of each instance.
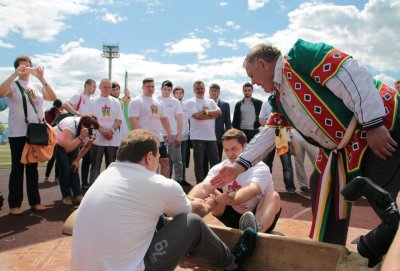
(231, 218)
(163, 150)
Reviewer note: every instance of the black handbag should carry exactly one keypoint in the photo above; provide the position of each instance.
(36, 133)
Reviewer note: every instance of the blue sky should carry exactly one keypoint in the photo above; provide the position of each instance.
(188, 40)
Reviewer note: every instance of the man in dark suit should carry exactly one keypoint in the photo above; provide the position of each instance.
(223, 122)
(247, 110)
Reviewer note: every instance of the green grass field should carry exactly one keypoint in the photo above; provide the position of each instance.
(5, 157)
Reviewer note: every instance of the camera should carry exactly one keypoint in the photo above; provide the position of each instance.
(91, 128)
(376, 243)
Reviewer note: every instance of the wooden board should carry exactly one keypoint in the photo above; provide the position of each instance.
(274, 253)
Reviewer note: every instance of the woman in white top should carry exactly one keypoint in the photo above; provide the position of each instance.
(75, 137)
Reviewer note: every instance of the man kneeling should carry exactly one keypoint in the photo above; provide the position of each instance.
(252, 191)
(115, 225)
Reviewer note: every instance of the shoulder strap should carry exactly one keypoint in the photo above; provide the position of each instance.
(79, 103)
(23, 100)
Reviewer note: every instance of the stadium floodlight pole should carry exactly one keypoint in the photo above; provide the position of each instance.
(110, 51)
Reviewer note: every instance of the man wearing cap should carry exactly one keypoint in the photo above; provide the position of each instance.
(146, 112)
(173, 109)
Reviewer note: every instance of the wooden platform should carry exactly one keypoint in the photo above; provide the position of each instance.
(294, 251)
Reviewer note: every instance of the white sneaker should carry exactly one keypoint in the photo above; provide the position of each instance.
(248, 220)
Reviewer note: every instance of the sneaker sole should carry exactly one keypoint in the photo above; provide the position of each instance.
(247, 220)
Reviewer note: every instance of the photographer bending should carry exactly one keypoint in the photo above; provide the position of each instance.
(74, 140)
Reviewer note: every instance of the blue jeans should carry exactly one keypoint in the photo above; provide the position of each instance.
(69, 179)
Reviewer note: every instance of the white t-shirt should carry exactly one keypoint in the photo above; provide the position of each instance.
(172, 108)
(85, 106)
(149, 111)
(185, 122)
(265, 110)
(16, 117)
(201, 129)
(259, 174)
(107, 110)
(116, 220)
(69, 123)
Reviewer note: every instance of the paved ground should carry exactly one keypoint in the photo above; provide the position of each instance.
(33, 227)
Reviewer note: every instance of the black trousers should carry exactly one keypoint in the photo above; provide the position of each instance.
(15, 184)
(385, 173)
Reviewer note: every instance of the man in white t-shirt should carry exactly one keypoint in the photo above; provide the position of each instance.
(173, 109)
(79, 104)
(251, 192)
(202, 113)
(108, 111)
(179, 92)
(115, 225)
(148, 113)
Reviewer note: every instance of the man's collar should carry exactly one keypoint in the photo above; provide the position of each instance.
(278, 72)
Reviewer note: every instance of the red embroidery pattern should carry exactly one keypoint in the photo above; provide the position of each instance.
(328, 66)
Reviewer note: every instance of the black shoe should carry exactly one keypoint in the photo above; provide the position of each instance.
(162, 221)
(244, 248)
(291, 191)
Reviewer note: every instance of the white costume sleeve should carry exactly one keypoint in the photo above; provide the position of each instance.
(261, 145)
(354, 85)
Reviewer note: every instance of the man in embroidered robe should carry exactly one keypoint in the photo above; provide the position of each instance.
(336, 105)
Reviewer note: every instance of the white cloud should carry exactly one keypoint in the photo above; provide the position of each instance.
(71, 45)
(256, 4)
(21, 17)
(217, 29)
(6, 45)
(113, 18)
(362, 33)
(233, 25)
(189, 45)
(223, 3)
(224, 43)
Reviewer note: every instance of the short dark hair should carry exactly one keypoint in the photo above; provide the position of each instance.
(166, 83)
(57, 103)
(89, 82)
(136, 145)
(22, 58)
(114, 85)
(267, 52)
(198, 82)
(87, 121)
(234, 133)
(147, 80)
(178, 88)
(213, 85)
(247, 85)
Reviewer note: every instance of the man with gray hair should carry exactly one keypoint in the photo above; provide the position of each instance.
(336, 105)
